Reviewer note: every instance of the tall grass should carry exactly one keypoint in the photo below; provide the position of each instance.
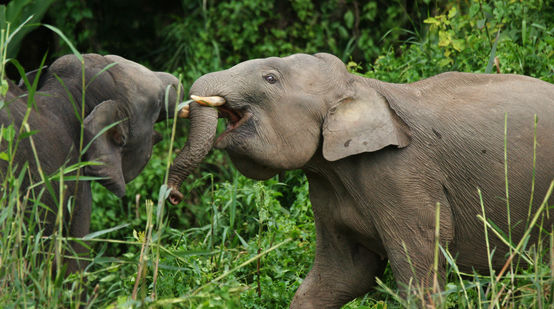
(31, 271)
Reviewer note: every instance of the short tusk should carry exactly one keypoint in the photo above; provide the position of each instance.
(208, 101)
(184, 112)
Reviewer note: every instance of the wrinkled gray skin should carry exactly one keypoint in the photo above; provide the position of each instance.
(203, 125)
(379, 156)
(127, 91)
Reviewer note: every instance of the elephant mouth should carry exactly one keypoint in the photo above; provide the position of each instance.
(235, 117)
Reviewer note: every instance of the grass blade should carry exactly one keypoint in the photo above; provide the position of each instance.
(106, 231)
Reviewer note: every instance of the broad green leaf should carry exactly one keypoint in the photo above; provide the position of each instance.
(432, 21)
(109, 277)
(8, 133)
(444, 38)
(458, 44)
(452, 12)
(349, 19)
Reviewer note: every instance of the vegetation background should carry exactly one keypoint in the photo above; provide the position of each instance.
(236, 242)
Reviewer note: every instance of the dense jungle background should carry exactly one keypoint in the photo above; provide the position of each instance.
(236, 242)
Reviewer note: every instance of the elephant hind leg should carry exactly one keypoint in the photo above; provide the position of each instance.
(339, 276)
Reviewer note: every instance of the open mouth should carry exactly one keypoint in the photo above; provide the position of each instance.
(235, 117)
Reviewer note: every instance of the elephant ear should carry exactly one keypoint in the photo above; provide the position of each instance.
(363, 122)
(106, 130)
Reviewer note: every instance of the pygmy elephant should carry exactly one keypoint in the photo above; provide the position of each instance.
(380, 156)
(121, 105)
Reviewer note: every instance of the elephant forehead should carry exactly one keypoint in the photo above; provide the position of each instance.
(135, 72)
(300, 61)
(304, 59)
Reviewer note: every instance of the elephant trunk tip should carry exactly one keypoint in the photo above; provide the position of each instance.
(175, 197)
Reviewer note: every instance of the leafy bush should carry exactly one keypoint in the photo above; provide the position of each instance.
(465, 39)
(220, 34)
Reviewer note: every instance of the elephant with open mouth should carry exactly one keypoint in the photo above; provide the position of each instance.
(380, 156)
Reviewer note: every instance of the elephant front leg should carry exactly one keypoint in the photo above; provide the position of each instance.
(411, 249)
(342, 271)
(413, 267)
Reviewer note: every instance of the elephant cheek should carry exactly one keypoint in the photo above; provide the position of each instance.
(134, 163)
(110, 174)
(252, 170)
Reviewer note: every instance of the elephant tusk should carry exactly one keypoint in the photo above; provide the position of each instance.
(184, 112)
(208, 101)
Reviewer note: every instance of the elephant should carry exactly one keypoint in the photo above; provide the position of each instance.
(380, 156)
(119, 92)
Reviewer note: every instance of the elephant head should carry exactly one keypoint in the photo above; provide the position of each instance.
(123, 100)
(280, 111)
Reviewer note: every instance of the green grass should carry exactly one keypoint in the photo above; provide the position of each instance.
(240, 243)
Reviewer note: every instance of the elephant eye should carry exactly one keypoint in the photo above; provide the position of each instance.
(270, 78)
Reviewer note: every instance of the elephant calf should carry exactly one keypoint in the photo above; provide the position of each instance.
(127, 95)
(379, 157)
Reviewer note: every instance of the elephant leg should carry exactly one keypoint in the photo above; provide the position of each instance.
(79, 227)
(412, 264)
(410, 246)
(342, 271)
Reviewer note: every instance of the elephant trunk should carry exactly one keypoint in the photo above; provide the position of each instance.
(203, 125)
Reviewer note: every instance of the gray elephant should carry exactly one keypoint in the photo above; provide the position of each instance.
(379, 157)
(126, 93)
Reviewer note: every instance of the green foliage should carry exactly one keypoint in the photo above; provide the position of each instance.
(31, 271)
(69, 17)
(462, 39)
(219, 246)
(214, 35)
(15, 13)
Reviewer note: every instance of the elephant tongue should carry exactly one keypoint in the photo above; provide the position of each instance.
(229, 114)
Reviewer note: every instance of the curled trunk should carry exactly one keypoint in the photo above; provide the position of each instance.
(203, 125)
